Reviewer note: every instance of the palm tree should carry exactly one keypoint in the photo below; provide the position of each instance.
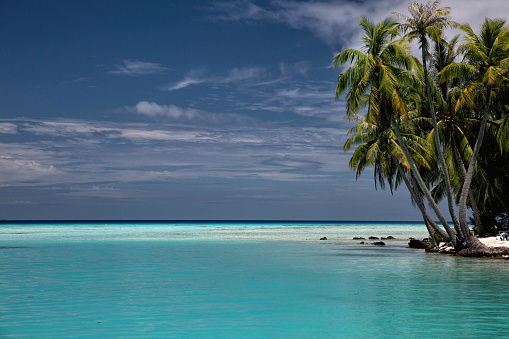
(451, 124)
(378, 147)
(426, 20)
(376, 79)
(487, 69)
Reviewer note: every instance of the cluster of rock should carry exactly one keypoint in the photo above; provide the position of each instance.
(446, 248)
(376, 243)
(425, 244)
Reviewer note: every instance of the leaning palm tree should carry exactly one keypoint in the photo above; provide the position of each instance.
(451, 125)
(376, 79)
(426, 20)
(487, 54)
(377, 146)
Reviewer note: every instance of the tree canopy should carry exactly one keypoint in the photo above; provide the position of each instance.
(439, 124)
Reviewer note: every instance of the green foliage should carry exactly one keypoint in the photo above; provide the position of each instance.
(383, 91)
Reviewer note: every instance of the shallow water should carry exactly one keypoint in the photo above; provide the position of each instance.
(241, 280)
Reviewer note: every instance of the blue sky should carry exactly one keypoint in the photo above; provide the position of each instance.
(185, 110)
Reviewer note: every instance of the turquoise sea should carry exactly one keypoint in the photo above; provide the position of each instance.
(241, 280)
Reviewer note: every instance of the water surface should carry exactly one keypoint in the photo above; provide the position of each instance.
(234, 280)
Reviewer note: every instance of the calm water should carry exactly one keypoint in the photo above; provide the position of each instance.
(226, 280)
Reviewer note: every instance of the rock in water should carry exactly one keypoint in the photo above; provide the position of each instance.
(414, 243)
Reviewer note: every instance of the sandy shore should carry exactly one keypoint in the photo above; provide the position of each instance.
(494, 242)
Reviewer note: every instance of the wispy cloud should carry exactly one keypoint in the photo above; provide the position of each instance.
(59, 147)
(288, 88)
(336, 21)
(140, 164)
(153, 109)
(137, 68)
(242, 10)
(188, 115)
(8, 128)
(289, 164)
(194, 77)
(330, 21)
(235, 75)
(23, 164)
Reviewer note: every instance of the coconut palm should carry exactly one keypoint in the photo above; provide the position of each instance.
(376, 79)
(378, 147)
(427, 20)
(487, 69)
(451, 125)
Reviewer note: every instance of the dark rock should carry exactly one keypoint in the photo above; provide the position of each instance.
(414, 243)
(358, 238)
(492, 252)
(379, 243)
(373, 238)
(323, 238)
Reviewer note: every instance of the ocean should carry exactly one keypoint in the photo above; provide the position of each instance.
(241, 280)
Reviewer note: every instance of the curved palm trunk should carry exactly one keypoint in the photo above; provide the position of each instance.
(473, 200)
(450, 201)
(430, 223)
(471, 240)
(441, 233)
(475, 210)
(422, 185)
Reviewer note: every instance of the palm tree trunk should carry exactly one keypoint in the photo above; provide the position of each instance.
(473, 200)
(430, 223)
(450, 201)
(422, 185)
(441, 233)
(471, 240)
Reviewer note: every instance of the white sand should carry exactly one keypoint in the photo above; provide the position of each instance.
(494, 242)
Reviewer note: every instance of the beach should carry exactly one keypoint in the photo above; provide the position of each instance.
(494, 242)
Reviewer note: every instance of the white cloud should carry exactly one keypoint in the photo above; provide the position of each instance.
(235, 75)
(162, 135)
(336, 22)
(8, 128)
(153, 109)
(144, 162)
(16, 167)
(137, 68)
(193, 77)
(82, 131)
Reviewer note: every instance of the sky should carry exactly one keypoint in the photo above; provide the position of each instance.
(186, 110)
